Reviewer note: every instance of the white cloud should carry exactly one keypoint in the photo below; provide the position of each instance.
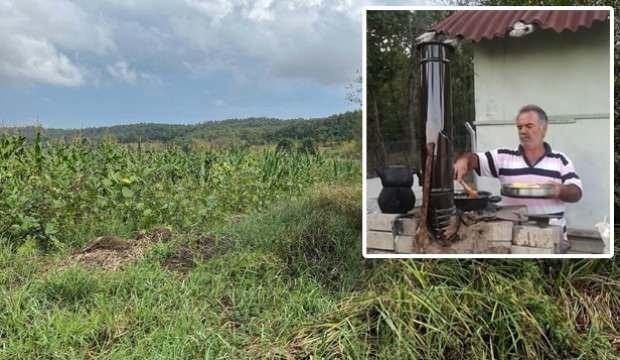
(36, 60)
(314, 40)
(216, 10)
(122, 72)
(252, 40)
(262, 11)
(36, 38)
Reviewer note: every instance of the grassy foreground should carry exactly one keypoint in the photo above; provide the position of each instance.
(291, 283)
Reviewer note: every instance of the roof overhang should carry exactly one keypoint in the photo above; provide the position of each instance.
(476, 25)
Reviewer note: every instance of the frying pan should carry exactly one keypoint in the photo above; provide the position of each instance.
(463, 202)
(540, 191)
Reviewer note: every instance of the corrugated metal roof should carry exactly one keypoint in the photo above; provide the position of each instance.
(487, 24)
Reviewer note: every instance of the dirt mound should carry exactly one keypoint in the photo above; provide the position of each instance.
(183, 260)
(158, 234)
(105, 243)
(112, 253)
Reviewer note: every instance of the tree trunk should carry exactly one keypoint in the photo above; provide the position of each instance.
(412, 117)
(375, 133)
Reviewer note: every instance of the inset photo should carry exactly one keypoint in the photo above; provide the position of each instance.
(488, 132)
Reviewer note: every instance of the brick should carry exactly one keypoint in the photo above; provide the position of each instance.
(536, 237)
(515, 249)
(377, 251)
(498, 250)
(380, 240)
(500, 231)
(384, 222)
(586, 246)
(408, 226)
(381, 222)
(404, 244)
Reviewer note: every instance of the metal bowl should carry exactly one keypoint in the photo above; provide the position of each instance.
(540, 191)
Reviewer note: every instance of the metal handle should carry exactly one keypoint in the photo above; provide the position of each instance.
(472, 136)
(494, 199)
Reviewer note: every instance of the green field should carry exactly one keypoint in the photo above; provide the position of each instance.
(261, 258)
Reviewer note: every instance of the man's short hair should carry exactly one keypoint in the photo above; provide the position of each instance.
(542, 115)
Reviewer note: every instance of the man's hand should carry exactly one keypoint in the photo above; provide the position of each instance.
(460, 168)
(568, 193)
(464, 164)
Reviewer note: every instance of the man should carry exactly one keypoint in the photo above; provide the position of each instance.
(533, 162)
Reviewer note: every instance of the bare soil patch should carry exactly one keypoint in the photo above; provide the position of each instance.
(112, 253)
(183, 260)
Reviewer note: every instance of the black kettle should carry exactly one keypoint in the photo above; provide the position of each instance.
(396, 197)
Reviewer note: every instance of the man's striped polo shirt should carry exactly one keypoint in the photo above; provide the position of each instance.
(511, 166)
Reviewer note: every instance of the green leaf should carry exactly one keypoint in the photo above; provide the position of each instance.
(127, 193)
(51, 229)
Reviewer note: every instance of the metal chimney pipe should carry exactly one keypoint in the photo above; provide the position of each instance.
(436, 115)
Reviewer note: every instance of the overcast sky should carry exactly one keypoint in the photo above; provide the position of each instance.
(95, 63)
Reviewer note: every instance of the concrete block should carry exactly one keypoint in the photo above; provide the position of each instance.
(586, 246)
(377, 251)
(515, 249)
(381, 222)
(380, 240)
(498, 250)
(386, 222)
(408, 226)
(499, 231)
(492, 231)
(463, 246)
(404, 244)
(533, 236)
(484, 237)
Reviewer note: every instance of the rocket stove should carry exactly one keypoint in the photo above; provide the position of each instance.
(438, 212)
(437, 226)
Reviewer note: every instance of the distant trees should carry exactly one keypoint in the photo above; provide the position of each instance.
(393, 81)
(284, 146)
(251, 131)
(308, 146)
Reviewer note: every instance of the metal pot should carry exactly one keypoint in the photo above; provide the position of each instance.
(396, 200)
(396, 176)
(463, 202)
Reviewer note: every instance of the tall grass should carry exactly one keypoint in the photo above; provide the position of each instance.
(290, 282)
(58, 195)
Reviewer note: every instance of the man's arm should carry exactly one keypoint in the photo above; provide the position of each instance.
(464, 164)
(570, 193)
(570, 189)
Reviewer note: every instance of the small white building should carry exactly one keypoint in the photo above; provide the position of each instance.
(560, 61)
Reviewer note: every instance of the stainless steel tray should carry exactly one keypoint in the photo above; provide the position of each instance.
(542, 191)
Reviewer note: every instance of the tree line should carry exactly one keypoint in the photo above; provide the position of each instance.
(249, 131)
(393, 80)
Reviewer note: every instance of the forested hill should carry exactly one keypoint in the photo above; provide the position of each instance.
(252, 131)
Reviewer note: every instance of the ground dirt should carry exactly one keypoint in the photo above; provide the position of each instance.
(183, 260)
(112, 253)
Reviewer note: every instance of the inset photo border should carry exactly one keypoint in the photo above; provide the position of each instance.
(488, 132)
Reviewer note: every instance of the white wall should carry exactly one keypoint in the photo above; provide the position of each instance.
(566, 74)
